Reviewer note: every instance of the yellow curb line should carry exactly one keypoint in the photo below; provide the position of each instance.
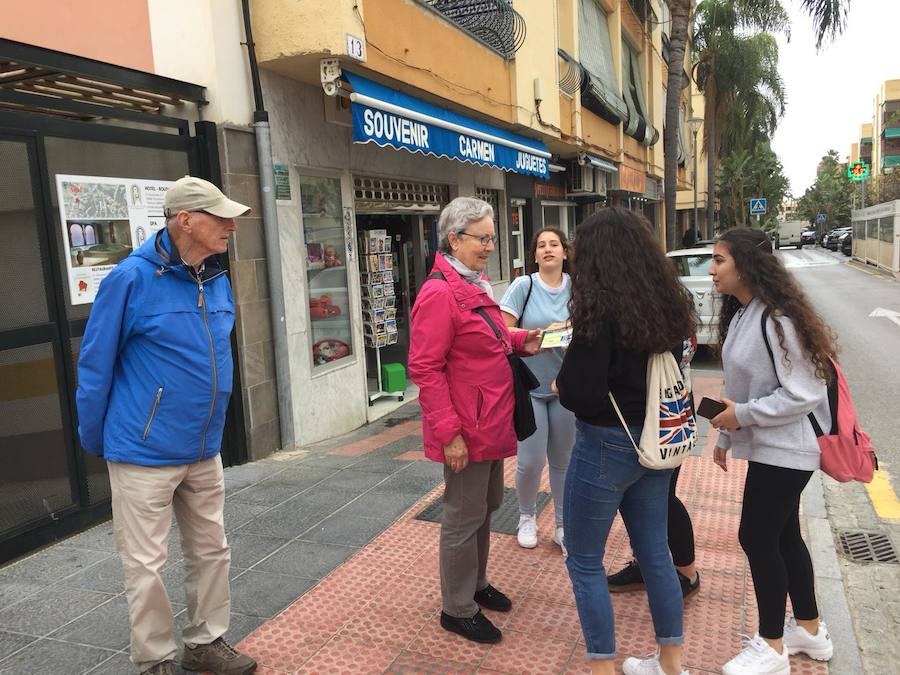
(882, 495)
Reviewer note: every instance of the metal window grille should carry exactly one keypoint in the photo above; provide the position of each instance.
(369, 191)
(493, 22)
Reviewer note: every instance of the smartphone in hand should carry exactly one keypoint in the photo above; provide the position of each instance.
(709, 408)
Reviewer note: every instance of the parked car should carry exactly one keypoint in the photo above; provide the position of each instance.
(693, 269)
(846, 243)
(831, 239)
(808, 238)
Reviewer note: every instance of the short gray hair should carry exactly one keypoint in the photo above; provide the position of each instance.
(458, 214)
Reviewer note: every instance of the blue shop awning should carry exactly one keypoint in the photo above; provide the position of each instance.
(384, 116)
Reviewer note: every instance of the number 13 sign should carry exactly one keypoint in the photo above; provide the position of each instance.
(356, 48)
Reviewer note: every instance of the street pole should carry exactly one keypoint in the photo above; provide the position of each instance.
(864, 181)
(696, 225)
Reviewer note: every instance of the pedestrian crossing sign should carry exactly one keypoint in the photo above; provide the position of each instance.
(758, 206)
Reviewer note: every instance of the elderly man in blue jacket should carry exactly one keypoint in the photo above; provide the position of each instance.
(154, 380)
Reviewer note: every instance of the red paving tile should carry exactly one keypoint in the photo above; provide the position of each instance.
(416, 455)
(365, 445)
(378, 612)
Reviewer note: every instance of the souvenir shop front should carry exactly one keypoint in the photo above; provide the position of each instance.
(365, 233)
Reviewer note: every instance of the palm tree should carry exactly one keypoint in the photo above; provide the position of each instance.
(830, 18)
(735, 71)
(680, 11)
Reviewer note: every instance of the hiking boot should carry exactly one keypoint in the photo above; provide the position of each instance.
(797, 639)
(758, 658)
(527, 535)
(688, 587)
(219, 658)
(161, 668)
(490, 598)
(629, 578)
(478, 629)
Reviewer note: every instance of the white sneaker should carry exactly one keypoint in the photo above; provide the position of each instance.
(758, 658)
(648, 666)
(527, 531)
(559, 539)
(797, 639)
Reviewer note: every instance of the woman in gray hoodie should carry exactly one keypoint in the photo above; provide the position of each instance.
(769, 398)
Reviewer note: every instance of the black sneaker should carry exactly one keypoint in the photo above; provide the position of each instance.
(490, 598)
(629, 578)
(688, 587)
(478, 629)
(161, 668)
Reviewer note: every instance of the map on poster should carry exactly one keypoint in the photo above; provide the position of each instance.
(104, 219)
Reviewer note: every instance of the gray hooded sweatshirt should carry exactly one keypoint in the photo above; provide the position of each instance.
(774, 429)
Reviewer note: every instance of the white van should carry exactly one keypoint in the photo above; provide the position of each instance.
(790, 233)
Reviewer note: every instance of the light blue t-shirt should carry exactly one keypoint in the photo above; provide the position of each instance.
(545, 306)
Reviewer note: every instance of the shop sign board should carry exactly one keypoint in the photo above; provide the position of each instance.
(388, 117)
(549, 190)
(103, 220)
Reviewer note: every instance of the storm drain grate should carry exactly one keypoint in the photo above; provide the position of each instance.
(504, 520)
(862, 546)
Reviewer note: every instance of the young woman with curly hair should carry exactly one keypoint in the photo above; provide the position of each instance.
(626, 303)
(766, 422)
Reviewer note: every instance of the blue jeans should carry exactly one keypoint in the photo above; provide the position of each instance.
(604, 477)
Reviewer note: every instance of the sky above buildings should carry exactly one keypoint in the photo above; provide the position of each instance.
(831, 93)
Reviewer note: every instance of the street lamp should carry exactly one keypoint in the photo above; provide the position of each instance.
(695, 123)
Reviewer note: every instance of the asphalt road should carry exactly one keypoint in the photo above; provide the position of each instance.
(869, 346)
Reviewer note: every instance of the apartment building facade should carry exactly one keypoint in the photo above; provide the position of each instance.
(378, 112)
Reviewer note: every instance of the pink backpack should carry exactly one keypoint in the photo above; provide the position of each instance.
(847, 452)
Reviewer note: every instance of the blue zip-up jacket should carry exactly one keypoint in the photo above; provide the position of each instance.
(155, 366)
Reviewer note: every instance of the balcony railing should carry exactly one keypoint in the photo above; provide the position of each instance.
(493, 22)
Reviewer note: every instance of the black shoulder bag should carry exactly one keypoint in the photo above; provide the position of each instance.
(523, 379)
(527, 298)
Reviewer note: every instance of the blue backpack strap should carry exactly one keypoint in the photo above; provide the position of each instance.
(436, 275)
(832, 401)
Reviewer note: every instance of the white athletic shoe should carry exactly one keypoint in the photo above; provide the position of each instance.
(758, 658)
(797, 639)
(559, 539)
(527, 531)
(648, 666)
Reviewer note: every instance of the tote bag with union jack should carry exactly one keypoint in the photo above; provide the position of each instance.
(670, 429)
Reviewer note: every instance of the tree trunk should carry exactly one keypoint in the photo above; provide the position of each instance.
(711, 160)
(680, 10)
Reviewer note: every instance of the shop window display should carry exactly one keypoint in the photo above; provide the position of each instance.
(326, 270)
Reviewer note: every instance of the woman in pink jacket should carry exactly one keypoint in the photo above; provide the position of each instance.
(466, 394)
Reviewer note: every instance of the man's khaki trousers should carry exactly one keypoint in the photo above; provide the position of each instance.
(143, 498)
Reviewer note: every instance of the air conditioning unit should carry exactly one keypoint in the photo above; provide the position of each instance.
(580, 179)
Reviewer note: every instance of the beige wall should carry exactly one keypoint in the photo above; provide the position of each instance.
(115, 32)
(199, 41)
(536, 60)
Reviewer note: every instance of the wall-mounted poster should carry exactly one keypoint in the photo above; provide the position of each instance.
(104, 219)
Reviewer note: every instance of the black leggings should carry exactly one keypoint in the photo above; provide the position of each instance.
(681, 531)
(770, 536)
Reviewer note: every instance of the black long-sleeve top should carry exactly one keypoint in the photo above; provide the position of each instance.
(591, 370)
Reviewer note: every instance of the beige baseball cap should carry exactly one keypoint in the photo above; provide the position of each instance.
(195, 194)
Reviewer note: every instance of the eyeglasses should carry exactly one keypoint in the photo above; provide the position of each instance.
(484, 239)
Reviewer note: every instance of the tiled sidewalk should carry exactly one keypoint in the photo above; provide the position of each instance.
(377, 612)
